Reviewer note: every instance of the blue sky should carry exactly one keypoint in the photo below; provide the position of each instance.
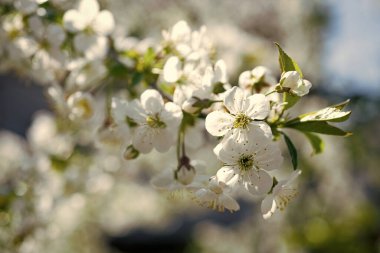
(352, 53)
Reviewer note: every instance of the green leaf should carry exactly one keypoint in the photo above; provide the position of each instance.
(287, 63)
(149, 57)
(292, 151)
(316, 143)
(290, 100)
(321, 127)
(332, 113)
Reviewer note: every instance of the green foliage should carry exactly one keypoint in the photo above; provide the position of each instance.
(292, 151)
(287, 63)
(332, 113)
(316, 143)
(321, 127)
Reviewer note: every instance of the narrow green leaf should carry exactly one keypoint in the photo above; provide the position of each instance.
(292, 151)
(316, 143)
(321, 127)
(286, 62)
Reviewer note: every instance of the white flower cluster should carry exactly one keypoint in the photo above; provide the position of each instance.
(116, 97)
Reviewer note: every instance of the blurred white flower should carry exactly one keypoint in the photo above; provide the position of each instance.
(280, 197)
(157, 122)
(93, 44)
(81, 106)
(257, 80)
(216, 196)
(45, 137)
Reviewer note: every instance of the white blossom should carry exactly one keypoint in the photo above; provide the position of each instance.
(243, 112)
(81, 106)
(247, 164)
(256, 80)
(280, 197)
(216, 196)
(93, 45)
(293, 81)
(157, 122)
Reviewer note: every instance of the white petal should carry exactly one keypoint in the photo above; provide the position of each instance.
(234, 100)
(91, 45)
(89, 9)
(55, 35)
(290, 79)
(172, 115)
(119, 110)
(73, 21)
(143, 139)
(245, 79)
(218, 123)
(268, 206)
(163, 140)
(181, 31)
(136, 112)
(172, 70)
(257, 107)
(229, 202)
(228, 176)
(260, 182)
(220, 74)
(152, 101)
(104, 23)
(261, 128)
(205, 195)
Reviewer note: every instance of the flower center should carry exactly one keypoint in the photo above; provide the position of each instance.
(241, 121)
(245, 162)
(154, 122)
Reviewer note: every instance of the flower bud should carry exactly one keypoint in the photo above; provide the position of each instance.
(130, 153)
(293, 81)
(185, 174)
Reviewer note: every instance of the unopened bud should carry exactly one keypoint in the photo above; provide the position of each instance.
(185, 174)
(130, 153)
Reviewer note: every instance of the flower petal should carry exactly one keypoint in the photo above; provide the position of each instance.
(163, 140)
(104, 23)
(259, 182)
(228, 202)
(228, 176)
(89, 9)
(234, 100)
(218, 123)
(143, 139)
(268, 206)
(136, 112)
(172, 70)
(73, 21)
(257, 107)
(152, 101)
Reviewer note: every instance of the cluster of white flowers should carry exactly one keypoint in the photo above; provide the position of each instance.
(116, 97)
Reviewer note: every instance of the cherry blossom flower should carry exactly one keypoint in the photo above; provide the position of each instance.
(293, 81)
(216, 196)
(248, 163)
(280, 197)
(257, 80)
(94, 44)
(157, 122)
(245, 112)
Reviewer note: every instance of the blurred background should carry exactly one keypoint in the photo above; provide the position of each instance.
(337, 45)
